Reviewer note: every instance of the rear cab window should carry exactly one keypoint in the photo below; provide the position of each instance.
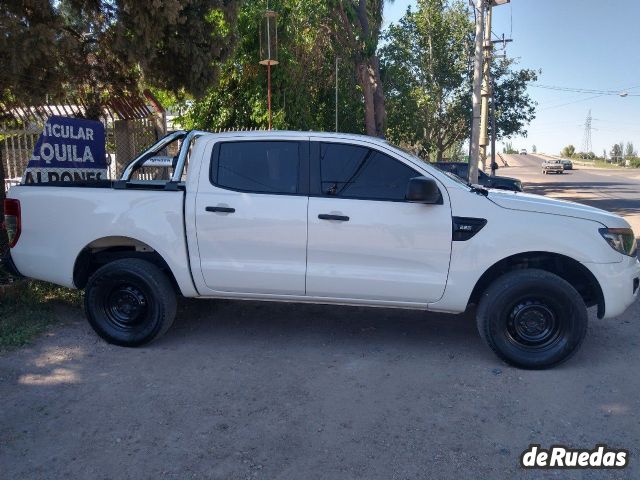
(259, 166)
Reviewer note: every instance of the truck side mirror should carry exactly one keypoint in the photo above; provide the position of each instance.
(423, 190)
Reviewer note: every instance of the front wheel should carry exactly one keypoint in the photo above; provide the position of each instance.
(130, 302)
(532, 319)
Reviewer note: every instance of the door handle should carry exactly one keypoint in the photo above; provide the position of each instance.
(340, 218)
(221, 209)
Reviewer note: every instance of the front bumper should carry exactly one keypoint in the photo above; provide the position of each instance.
(620, 284)
(6, 263)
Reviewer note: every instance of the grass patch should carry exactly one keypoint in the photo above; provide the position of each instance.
(26, 310)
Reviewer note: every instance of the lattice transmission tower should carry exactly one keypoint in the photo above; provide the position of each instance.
(586, 142)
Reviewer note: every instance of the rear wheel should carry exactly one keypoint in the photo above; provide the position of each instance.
(532, 319)
(130, 302)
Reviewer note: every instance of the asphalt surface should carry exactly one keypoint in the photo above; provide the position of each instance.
(277, 391)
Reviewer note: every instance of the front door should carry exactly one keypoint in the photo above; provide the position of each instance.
(365, 241)
(251, 217)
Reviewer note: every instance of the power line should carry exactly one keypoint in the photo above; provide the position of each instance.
(621, 92)
(570, 103)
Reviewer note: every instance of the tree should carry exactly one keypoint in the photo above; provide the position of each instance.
(52, 47)
(356, 30)
(428, 82)
(629, 150)
(425, 71)
(568, 151)
(616, 152)
(508, 148)
(515, 109)
(534, 149)
(302, 84)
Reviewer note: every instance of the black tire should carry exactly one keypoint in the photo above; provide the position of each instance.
(532, 319)
(130, 302)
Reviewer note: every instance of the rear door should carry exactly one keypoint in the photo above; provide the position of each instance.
(365, 241)
(251, 216)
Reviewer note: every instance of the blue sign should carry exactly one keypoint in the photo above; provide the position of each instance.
(69, 149)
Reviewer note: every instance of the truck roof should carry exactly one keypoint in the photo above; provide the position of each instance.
(295, 133)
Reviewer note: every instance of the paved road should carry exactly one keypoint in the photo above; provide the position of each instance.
(276, 391)
(615, 190)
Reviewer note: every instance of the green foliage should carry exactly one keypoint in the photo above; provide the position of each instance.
(428, 82)
(585, 155)
(508, 148)
(514, 107)
(302, 84)
(424, 70)
(91, 48)
(629, 151)
(26, 310)
(616, 152)
(568, 151)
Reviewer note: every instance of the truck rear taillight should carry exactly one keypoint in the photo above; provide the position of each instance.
(12, 220)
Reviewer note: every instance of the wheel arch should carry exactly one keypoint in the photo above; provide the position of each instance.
(104, 250)
(567, 268)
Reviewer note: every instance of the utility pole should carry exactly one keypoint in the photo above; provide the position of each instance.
(480, 6)
(493, 130)
(481, 85)
(485, 92)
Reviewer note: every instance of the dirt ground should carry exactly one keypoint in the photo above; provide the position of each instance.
(262, 390)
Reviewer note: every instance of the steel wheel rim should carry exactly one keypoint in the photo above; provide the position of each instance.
(534, 324)
(126, 306)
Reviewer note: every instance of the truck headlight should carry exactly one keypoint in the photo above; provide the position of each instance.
(621, 240)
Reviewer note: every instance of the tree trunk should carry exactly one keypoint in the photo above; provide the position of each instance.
(374, 110)
(378, 98)
(367, 90)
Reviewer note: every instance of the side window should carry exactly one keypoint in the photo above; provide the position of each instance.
(351, 171)
(258, 166)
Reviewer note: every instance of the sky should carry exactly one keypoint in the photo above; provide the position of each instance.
(583, 44)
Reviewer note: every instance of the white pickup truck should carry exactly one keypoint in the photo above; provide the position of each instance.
(323, 218)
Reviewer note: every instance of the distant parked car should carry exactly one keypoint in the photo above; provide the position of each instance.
(461, 170)
(567, 164)
(552, 166)
(523, 151)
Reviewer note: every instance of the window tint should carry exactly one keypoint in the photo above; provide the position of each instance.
(351, 171)
(263, 167)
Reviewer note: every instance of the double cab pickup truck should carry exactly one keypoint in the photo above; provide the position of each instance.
(323, 218)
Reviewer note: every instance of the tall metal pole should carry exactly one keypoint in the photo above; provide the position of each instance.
(336, 94)
(480, 6)
(493, 131)
(269, 93)
(486, 91)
